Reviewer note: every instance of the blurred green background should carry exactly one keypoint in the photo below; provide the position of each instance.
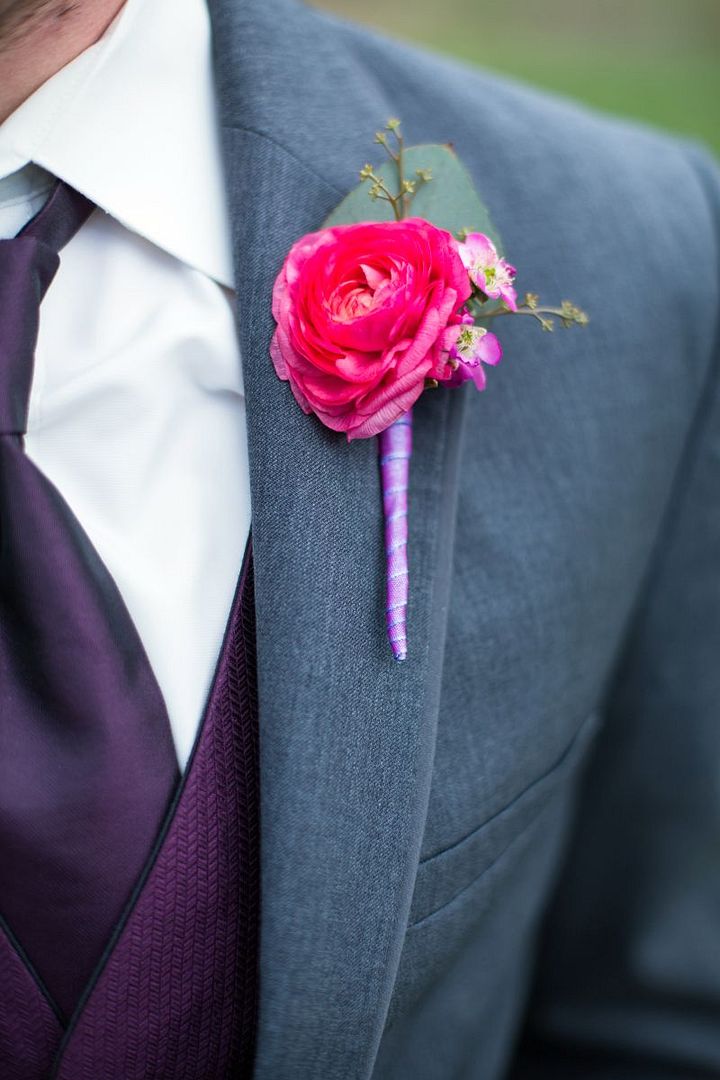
(656, 60)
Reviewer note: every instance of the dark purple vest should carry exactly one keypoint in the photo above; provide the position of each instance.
(175, 996)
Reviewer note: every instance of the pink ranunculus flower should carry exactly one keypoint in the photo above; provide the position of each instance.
(492, 274)
(361, 313)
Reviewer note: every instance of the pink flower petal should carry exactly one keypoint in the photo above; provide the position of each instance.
(361, 313)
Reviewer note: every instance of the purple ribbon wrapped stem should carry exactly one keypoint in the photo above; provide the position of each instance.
(395, 446)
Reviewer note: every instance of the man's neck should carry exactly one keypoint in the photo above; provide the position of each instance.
(39, 37)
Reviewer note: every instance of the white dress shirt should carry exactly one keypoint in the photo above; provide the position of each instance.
(137, 412)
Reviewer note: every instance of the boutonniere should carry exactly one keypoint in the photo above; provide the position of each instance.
(392, 297)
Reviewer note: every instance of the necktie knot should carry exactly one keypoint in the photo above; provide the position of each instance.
(28, 263)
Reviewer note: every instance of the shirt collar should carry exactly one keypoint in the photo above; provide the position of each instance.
(131, 123)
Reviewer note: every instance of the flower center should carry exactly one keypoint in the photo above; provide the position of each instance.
(468, 341)
(358, 296)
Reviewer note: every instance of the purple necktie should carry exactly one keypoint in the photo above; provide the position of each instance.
(87, 763)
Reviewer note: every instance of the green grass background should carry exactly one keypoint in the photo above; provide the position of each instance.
(655, 60)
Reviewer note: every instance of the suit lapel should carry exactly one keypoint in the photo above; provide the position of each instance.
(347, 735)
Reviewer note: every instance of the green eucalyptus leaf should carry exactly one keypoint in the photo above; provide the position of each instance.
(449, 200)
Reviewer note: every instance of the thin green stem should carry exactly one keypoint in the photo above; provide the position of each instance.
(391, 155)
(385, 194)
(404, 195)
(536, 312)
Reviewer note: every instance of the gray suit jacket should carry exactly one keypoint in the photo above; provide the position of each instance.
(501, 858)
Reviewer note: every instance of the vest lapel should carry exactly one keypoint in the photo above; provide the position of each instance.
(347, 735)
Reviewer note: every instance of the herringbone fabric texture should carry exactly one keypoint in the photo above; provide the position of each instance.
(29, 1030)
(177, 997)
